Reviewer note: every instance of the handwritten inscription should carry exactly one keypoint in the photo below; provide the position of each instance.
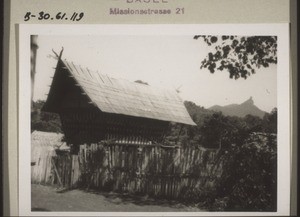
(76, 16)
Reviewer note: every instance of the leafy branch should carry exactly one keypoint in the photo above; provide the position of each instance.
(240, 56)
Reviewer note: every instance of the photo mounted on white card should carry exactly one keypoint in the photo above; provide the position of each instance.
(140, 120)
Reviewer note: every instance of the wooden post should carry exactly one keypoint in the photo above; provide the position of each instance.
(56, 172)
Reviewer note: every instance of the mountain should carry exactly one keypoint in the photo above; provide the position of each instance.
(240, 110)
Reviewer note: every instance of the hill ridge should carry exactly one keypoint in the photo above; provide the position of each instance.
(240, 110)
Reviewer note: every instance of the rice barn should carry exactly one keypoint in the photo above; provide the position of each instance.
(115, 130)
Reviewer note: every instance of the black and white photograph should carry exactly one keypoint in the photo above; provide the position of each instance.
(155, 123)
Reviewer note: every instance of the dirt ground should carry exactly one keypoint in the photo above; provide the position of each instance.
(48, 198)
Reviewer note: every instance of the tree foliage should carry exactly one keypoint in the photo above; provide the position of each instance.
(240, 56)
(249, 177)
(44, 121)
(141, 82)
(270, 122)
(215, 130)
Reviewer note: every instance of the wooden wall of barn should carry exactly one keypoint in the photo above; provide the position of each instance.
(153, 170)
(91, 125)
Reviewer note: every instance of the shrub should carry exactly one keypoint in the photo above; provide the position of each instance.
(249, 177)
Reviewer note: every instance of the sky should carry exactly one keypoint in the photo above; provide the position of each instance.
(163, 61)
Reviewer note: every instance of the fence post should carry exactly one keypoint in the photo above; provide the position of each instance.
(139, 167)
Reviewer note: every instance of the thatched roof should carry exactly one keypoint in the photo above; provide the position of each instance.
(120, 96)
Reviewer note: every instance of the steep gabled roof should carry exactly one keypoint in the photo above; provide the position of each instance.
(120, 96)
